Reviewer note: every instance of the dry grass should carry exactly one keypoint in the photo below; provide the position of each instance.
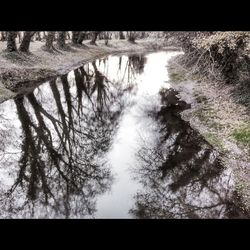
(17, 68)
(217, 115)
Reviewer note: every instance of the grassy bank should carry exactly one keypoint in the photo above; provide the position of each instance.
(223, 121)
(17, 69)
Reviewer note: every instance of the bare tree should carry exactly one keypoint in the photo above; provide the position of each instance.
(61, 39)
(24, 47)
(75, 36)
(19, 34)
(68, 35)
(3, 36)
(44, 35)
(81, 37)
(132, 35)
(38, 36)
(107, 37)
(78, 37)
(94, 37)
(49, 41)
(121, 35)
(11, 41)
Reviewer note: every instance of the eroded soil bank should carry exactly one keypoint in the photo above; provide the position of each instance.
(217, 115)
(21, 69)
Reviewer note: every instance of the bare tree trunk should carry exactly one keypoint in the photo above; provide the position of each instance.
(101, 36)
(32, 39)
(131, 36)
(121, 35)
(75, 36)
(49, 41)
(19, 34)
(44, 35)
(11, 41)
(3, 36)
(38, 36)
(61, 39)
(106, 37)
(24, 47)
(68, 35)
(94, 37)
(143, 34)
(81, 37)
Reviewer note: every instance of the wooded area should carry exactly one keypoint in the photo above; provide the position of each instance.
(223, 55)
(61, 37)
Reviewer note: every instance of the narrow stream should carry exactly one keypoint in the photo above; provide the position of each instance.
(107, 140)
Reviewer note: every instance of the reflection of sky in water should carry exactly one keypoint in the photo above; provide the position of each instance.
(122, 156)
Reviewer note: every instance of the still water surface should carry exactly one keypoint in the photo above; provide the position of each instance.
(106, 140)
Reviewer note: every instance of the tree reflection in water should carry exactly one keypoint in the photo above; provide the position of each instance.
(136, 63)
(67, 127)
(53, 151)
(181, 174)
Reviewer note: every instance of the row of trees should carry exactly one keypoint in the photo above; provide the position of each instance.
(76, 38)
(25, 38)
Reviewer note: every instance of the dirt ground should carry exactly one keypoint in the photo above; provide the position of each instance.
(19, 68)
(215, 114)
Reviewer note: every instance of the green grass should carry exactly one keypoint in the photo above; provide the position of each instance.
(242, 135)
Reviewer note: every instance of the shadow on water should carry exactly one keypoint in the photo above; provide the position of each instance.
(181, 173)
(55, 140)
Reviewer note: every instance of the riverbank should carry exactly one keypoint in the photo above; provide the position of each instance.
(18, 69)
(219, 118)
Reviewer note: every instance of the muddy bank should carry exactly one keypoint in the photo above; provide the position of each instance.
(19, 71)
(216, 115)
